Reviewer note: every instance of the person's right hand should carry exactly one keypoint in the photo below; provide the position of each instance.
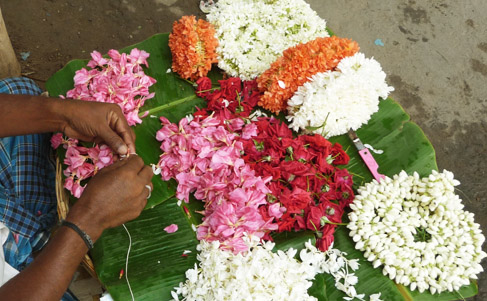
(116, 194)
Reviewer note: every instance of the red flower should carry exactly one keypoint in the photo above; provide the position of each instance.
(313, 218)
(295, 200)
(327, 238)
(286, 223)
(231, 88)
(294, 168)
(204, 87)
(317, 142)
(332, 211)
(339, 155)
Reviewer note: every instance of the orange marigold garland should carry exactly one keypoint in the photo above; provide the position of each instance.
(193, 47)
(297, 64)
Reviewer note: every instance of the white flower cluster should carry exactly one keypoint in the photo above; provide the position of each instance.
(252, 34)
(333, 102)
(417, 228)
(259, 274)
(335, 263)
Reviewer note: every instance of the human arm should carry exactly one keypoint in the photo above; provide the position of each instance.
(115, 195)
(87, 121)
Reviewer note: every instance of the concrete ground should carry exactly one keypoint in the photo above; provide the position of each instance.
(435, 55)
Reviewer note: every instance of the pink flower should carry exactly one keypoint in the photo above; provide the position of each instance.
(97, 60)
(275, 210)
(205, 158)
(56, 140)
(119, 80)
(77, 189)
(138, 57)
(249, 131)
(171, 228)
(74, 158)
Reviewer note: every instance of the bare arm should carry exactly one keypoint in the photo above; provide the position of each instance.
(115, 195)
(87, 121)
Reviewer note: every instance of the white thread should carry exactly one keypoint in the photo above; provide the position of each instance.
(127, 263)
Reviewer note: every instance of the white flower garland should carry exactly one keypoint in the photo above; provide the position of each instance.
(252, 34)
(262, 274)
(333, 102)
(388, 215)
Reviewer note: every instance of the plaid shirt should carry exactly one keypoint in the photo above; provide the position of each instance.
(27, 186)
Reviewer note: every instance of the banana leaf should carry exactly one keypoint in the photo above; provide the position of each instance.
(156, 264)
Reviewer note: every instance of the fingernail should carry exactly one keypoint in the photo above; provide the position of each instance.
(123, 150)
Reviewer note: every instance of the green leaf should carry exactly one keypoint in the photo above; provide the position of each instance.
(318, 289)
(405, 148)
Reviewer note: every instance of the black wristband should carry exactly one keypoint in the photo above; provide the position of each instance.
(86, 238)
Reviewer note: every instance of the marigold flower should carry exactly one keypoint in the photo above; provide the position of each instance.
(193, 47)
(297, 64)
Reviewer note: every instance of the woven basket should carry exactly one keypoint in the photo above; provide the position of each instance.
(63, 209)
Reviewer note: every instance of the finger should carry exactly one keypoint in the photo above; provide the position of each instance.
(146, 173)
(134, 163)
(114, 141)
(119, 124)
(145, 192)
(132, 133)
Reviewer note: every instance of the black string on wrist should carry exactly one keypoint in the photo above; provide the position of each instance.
(86, 238)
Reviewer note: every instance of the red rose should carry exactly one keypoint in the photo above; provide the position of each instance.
(313, 218)
(339, 155)
(318, 143)
(231, 88)
(204, 87)
(332, 211)
(300, 223)
(342, 177)
(327, 238)
(329, 193)
(268, 170)
(286, 223)
(295, 200)
(300, 182)
(296, 168)
(323, 165)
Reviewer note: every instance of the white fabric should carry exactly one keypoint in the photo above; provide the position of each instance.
(106, 297)
(7, 272)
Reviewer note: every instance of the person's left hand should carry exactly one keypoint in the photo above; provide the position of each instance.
(98, 122)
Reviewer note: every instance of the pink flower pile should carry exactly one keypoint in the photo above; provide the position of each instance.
(119, 80)
(205, 158)
(82, 162)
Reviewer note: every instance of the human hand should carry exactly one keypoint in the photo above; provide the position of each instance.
(98, 122)
(116, 194)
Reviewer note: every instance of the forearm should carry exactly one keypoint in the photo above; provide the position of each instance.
(48, 277)
(26, 114)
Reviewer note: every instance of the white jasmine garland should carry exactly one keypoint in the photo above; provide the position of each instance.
(417, 229)
(261, 274)
(333, 102)
(252, 34)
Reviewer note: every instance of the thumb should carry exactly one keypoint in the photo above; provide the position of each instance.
(114, 141)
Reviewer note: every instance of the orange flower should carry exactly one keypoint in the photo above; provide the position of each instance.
(193, 47)
(297, 64)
